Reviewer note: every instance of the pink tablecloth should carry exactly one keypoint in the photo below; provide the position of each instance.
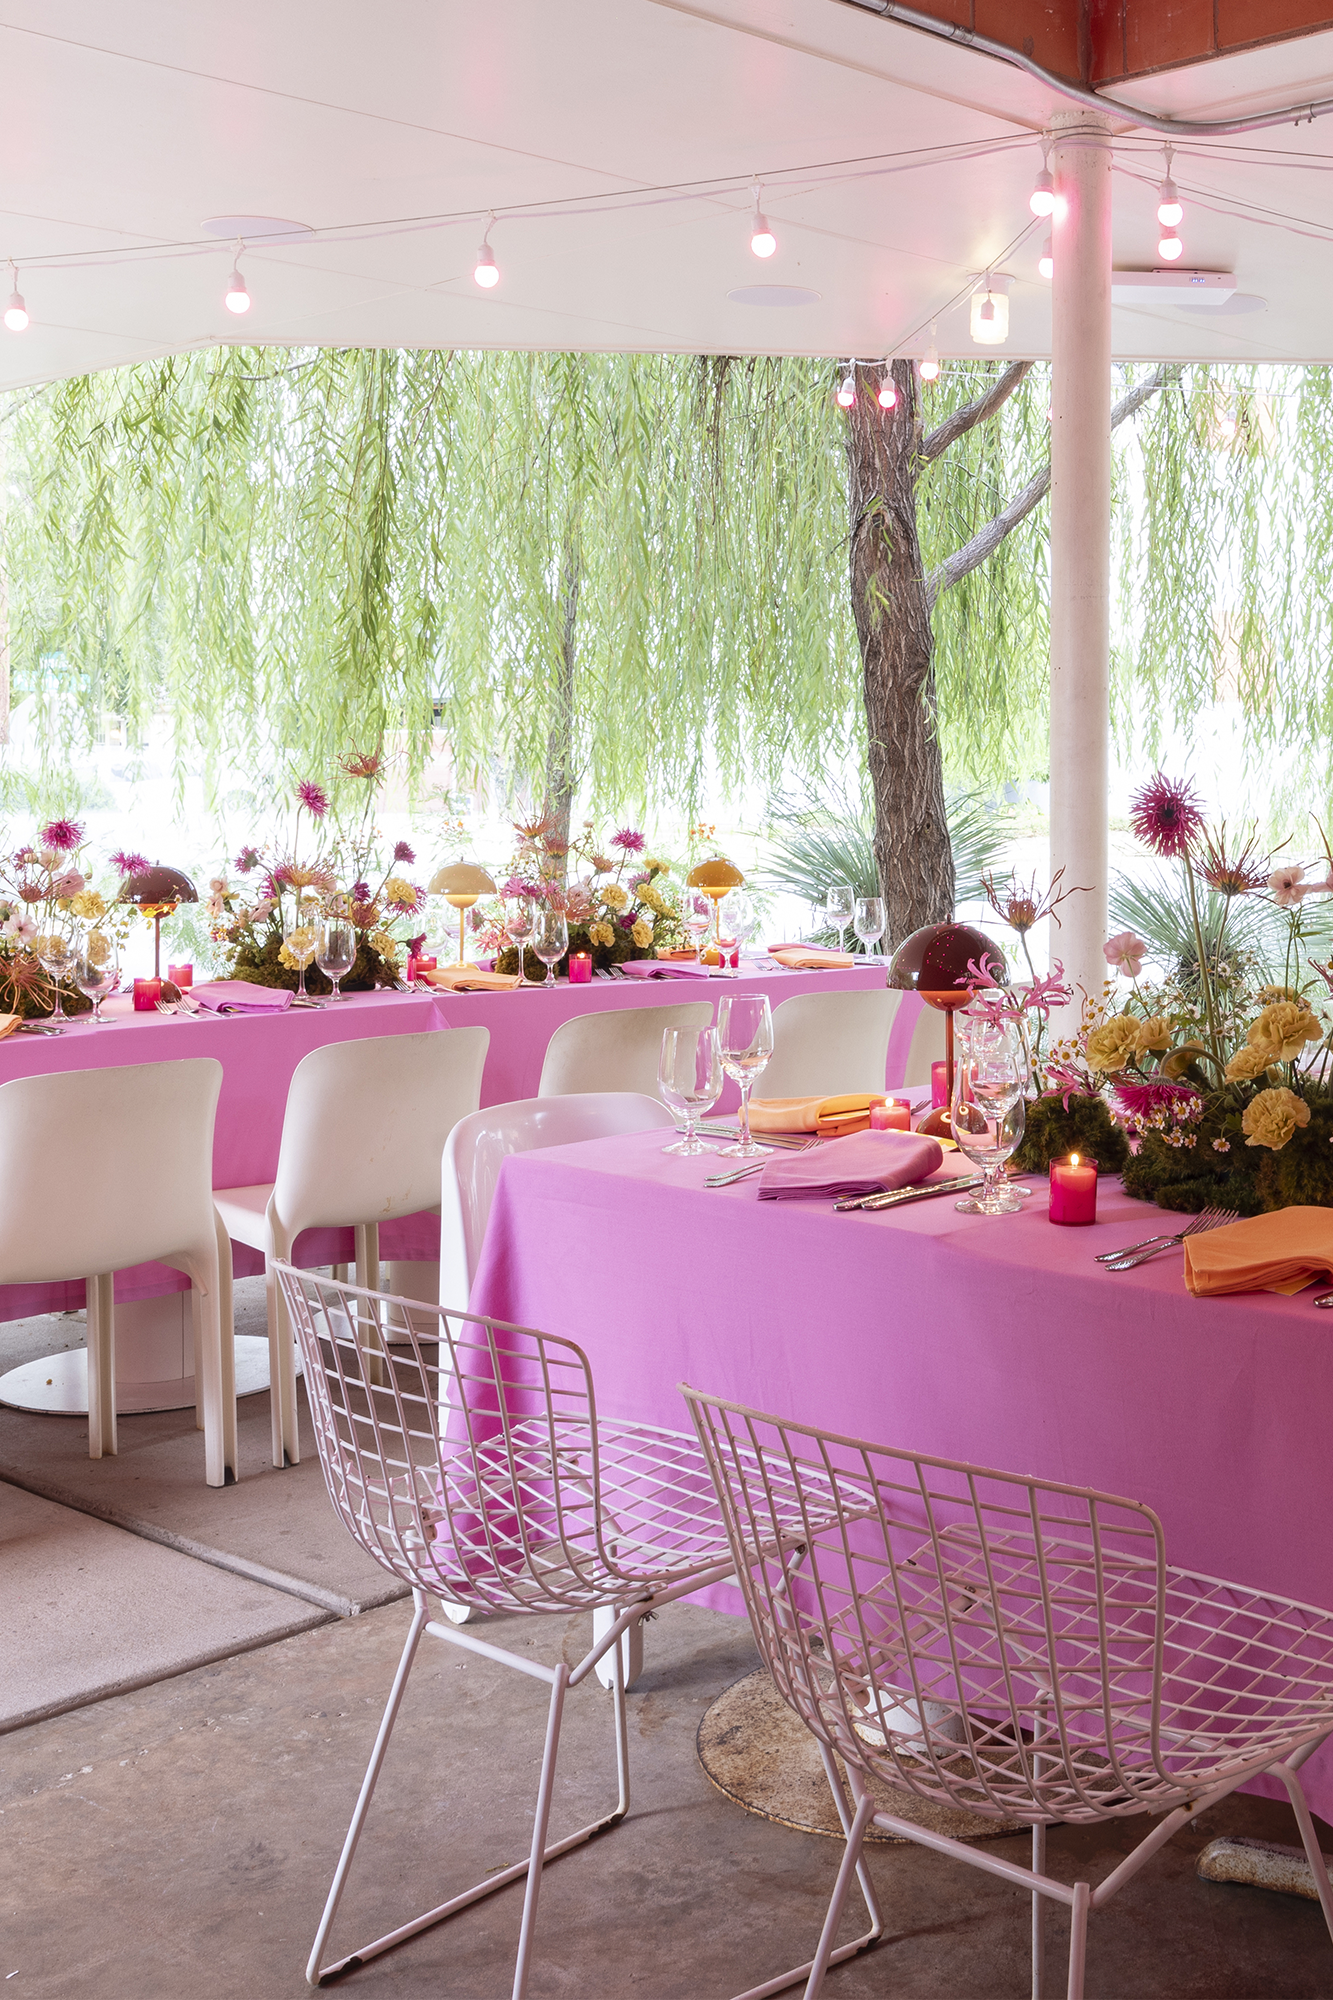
(994, 1339)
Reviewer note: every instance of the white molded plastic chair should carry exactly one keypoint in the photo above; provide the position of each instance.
(828, 1043)
(104, 1168)
(616, 1050)
(478, 1145)
(1015, 1648)
(362, 1134)
(472, 1466)
(926, 1047)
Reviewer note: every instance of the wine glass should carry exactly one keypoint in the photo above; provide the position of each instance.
(838, 905)
(696, 911)
(300, 936)
(520, 921)
(56, 957)
(97, 973)
(745, 1043)
(868, 922)
(336, 954)
(689, 1076)
(737, 915)
(550, 940)
(989, 1106)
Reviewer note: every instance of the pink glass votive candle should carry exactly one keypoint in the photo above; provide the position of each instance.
(183, 975)
(580, 968)
(939, 1085)
(890, 1117)
(1074, 1190)
(147, 993)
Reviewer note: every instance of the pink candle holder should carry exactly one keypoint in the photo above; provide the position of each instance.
(182, 975)
(890, 1117)
(580, 968)
(147, 993)
(1073, 1191)
(939, 1085)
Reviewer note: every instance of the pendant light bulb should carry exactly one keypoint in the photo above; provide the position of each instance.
(487, 271)
(762, 240)
(1170, 247)
(990, 310)
(16, 313)
(847, 388)
(888, 395)
(1170, 208)
(928, 367)
(1042, 199)
(1046, 261)
(236, 297)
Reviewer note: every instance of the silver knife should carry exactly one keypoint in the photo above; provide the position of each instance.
(918, 1191)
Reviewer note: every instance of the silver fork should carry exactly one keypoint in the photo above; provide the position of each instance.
(751, 1167)
(1209, 1218)
(1200, 1221)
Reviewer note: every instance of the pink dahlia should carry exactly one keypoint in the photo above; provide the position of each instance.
(628, 841)
(247, 859)
(402, 852)
(1140, 1100)
(62, 834)
(313, 797)
(1167, 815)
(129, 864)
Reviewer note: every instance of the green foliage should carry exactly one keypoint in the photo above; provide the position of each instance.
(1251, 1179)
(1051, 1133)
(257, 960)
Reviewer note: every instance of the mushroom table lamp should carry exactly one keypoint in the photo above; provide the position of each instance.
(716, 878)
(461, 884)
(931, 962)
(156, 892)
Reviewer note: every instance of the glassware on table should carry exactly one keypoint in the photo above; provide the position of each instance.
(520, 921)
(56, 957)
(336, 953)
(745, 1043)
(738, 917)
(868, 921)
(689, 1076)
(301, 939)
(550, 940)
(839, 903)
(989, 1109)
(97, 973)
(696, 912)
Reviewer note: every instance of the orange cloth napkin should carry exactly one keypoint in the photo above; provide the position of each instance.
(830, 1117)
(8, 1023)
(471, 979)
(1282, 1252)
(809, 957)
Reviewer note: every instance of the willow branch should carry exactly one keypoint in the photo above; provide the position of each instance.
(986, 540)
(962, 421)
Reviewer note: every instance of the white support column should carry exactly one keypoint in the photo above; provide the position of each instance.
(1080, 540)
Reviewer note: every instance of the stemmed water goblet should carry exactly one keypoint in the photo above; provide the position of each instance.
(868, 922)
(520, 921)
(550, 940)
(337, 952)
(991, 1074)
(696, 911)
(738, 918)
(300, 938)
(97, 973)
(689, 1076)
(745, 1043)
(838, 905)
(56, 957)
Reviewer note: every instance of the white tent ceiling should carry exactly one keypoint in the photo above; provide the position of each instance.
(614, 139)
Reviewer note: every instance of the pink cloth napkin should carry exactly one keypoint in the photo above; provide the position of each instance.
(663, 968)
(239, 996)
(866, 1163)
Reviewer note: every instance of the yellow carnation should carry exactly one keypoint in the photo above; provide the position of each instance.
(615, 897)
(1113, 1044)
(89, 905)
(298, 948)
(642, 933)
(1283, 1029)
(386, 946)
(1272, 1118)
(651, 899)
(1246, 1062)
(601, 934)
(655, 867)
(98, 948)
(400, 894)
(1153, 1034)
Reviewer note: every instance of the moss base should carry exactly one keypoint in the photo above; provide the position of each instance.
(1086, 1128)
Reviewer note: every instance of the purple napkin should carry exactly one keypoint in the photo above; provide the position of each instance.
(664, 968)
(866, 1163)
(239, 996)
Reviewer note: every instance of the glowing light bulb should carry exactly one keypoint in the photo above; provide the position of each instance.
(1170, 209)
(846, 395)
(1170, 247)
(990, 311)
(16, 313)
(1046, 261)
(888, 395)
(1042, 199)
(762, 240)
(237, 299)
(487, 272)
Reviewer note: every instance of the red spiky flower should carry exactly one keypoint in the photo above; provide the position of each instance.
(1166, 814)
(62, 834)
(313, 797)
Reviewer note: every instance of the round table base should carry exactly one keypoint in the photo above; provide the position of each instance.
(57, 1386)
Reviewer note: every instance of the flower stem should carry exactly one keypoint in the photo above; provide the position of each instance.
(1205, 971)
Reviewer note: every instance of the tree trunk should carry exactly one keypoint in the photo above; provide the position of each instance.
(560, 775)
(892, 612)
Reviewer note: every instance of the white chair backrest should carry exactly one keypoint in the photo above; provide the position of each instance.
(926, 1047)
(477, 1146)
(829, 1043)
(103, 1168)
(615, 1050)
(366, 1122)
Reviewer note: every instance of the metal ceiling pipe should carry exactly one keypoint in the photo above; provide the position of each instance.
(1091, 100)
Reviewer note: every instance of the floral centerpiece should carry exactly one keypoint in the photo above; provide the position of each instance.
(46, 909)
(620, 904)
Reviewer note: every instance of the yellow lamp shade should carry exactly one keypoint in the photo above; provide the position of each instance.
(715, 877)
(461, 884)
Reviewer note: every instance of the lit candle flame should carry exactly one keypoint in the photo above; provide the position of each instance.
(1073, 1159)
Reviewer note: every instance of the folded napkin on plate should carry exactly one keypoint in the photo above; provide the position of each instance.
(830, 1117)
(471, 979)
(1282, 1252)
(808, 957)
(657, 968)
(239, 996)
(682, 952)
(865, 1164)
(8, 1023)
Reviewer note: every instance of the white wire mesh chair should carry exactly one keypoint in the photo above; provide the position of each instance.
(1012, 1647)
(468, 1458)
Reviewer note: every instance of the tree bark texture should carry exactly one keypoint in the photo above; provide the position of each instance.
(892, 612)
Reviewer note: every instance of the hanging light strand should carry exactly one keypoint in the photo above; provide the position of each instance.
(762, 240)
(237, 296)
(487, 271)
(1042, 199)
(16, 312)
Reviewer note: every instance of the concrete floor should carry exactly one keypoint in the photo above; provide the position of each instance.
(178, 1840)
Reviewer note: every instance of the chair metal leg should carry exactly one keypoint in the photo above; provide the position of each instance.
(630, 1646)
(851, 1856)
(541, 1820)
(99, 1294)
(281, 1368)
(1296, 1793)
(1038, 1913)
(1078, 1939)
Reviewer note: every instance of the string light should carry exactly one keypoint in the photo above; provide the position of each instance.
(847, 387)
(16, 313)
(237, 298)
(888, 395)
(928, 367)
(1170, 247)
(1046, 261)
(990, 311)
(487, 272)
(1042, 199)
(1170, 209)
(762, 240)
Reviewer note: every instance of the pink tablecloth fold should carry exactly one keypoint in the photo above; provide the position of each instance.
(864, 1164)
(241, 996)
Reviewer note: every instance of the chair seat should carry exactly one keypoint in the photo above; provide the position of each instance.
(244, 1213)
